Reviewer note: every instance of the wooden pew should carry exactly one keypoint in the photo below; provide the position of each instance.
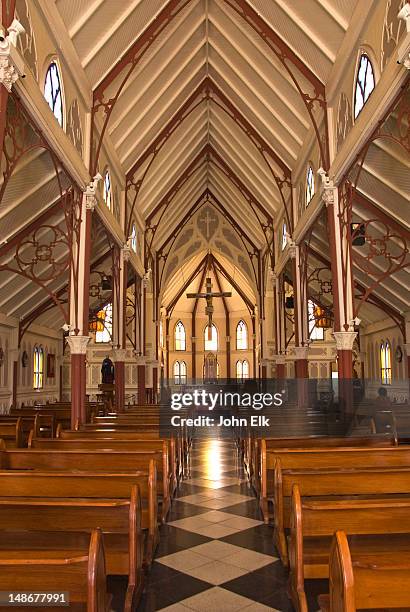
(74, 518)
(381, 582)
(116, 442)
(79, 573)
(379, 522)
(97, 460)
(318, 452)
(91, 485)
(12, 433)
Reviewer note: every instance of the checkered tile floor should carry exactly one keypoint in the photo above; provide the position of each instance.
(215, 553)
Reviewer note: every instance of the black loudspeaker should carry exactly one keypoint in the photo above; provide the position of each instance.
(290, 302)
(358, 231)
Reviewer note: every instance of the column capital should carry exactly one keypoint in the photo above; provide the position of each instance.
(344, 340)
(11, 62)
(403, 51)
(329, 190)
(91, 193)
(78, 344)
(126, 251)
(406, 347)
(119, 354)
(301, 352)
(146, 278)
(14, 354)
(279, 359)
(139, 359)
(292, 248)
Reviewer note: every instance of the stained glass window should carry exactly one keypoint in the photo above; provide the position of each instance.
(134, 238)
(107, 189)
(284, 236)
(385, 363)
(180, 372)
(53, 93)
(104, 324)
(211, 338)
(38, 367)
(242, 369)
(180, 337)
(364, 83)
(310, 185)
(315, 333)
(241, 335)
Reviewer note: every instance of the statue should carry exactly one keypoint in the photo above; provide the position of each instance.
(107, 371)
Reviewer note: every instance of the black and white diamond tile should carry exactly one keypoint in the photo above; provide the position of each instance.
(215, 552)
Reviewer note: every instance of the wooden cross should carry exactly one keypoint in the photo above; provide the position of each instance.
(208, 295)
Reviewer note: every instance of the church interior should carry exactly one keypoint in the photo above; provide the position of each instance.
(204, 194)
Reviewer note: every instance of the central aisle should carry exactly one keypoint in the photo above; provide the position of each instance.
(215, 553)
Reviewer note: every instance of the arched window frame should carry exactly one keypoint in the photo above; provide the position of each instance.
(284, 240)
(385, 363)
(242, 369)
(211, 345)
(38, 367)
(364, 83)
(180, 373)
(241, 336)
(315, 333)
(105, 319)
(107, 189)
(53, 91)
(310, 184)
(134, 238)
(180, 336)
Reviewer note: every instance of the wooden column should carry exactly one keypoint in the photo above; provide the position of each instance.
(78, 349)
(80, 305)
(280, 367)
(342, 285)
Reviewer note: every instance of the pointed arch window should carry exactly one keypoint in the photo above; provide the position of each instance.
(242, 369)
(107, 193)
(310, 185)
(180, 337)
(104, 324)
(315, 332)
(38, 367)
(284, 236)
(385, 363)
(241, 336)
(180, 373)
(365, 83)
(134, 238)
(53, 92)
(211, 338)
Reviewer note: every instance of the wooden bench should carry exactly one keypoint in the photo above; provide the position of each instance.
(91, 485)
(367, 582)
(175, 446)
(12, 433)
(383, 513)
(97, 460)
(317, 452)
(115, 442)
(118, 519)
(79, 573)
